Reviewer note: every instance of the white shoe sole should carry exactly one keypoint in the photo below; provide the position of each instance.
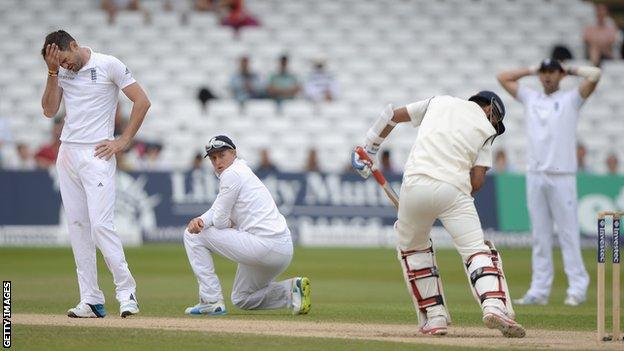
(434, 331)
(72, 314)
(128, 313)
(509, 328)
(211, 313)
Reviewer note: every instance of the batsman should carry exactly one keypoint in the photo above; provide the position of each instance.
(445, 167)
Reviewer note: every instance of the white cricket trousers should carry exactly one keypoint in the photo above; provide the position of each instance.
(552, 199)
(260, 259)
(88, 191)
(423, 200)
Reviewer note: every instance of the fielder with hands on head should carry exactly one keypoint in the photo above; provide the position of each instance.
(446, 165)
(551, 117)
(89, 83)
(245, 226)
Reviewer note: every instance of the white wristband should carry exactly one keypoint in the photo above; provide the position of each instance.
(590, 73)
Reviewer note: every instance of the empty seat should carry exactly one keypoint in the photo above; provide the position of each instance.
(224, 108)
(260, 108)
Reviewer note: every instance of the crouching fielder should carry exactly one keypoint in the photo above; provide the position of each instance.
(446, 165)
(245, 226)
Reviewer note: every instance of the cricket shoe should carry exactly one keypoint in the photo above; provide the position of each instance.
(495, 318)
(531, 300)
(87, 310)
(216, 308)
(436, 325)
(128, 307)
(574, 300)
(301, 295)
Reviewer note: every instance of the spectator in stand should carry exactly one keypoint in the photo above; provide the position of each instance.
(46, 155)
(266, 165)
(321, 85)
(23, 159)
(500, 162)
(197, 162)
(386, 164)
(5, 137)
(123, 165)
(113, 6)
(283, 85)
(151, 160)
(204, 96)
(581, 152)
(561, 52)
(612, 164)
(235, 15)
(205, 5)
(246, 84)
(312, 164)
(601, 37)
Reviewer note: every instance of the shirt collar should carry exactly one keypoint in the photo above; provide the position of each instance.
(236, 160)
(544, 95)
(91, 63)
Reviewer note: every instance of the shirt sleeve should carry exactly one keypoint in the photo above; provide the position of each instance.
(484, 157)
(417, 110)
(576, 98)
(524, 93)
(229, 187)
(207, 218)
(119, 73)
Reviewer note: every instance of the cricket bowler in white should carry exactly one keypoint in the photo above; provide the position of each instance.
(551, 118)
(89, 83)
(446, 165)
(243, 225)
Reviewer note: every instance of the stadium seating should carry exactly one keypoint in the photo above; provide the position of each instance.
(381, 52)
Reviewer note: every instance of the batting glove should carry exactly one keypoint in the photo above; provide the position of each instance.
(362, 167)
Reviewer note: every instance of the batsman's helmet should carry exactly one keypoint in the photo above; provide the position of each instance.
(498, 108)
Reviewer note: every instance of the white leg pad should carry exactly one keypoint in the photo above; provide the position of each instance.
(498, 262)
(423, 281)
(488, 283)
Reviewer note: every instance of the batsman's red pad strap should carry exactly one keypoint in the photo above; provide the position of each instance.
(487, 254)
(493, 295)
(482, 272)
(430, 301)
(411, 252)
(423, 273)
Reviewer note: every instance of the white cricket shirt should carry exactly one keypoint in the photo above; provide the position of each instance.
(551, 127)
(91, 96)
(244, 203)
(454, 136)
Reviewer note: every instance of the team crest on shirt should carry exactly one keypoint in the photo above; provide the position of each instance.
(93, 75)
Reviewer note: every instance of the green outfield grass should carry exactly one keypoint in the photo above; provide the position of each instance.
(348, 285)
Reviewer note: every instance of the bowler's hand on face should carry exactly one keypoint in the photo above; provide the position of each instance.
(52, 57)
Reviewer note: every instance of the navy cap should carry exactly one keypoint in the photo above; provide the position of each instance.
(550, 65)
(498, 108)
(219, 143)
